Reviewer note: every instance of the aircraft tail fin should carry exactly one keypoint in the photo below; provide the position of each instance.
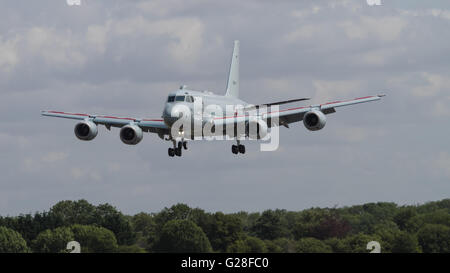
(233, 76)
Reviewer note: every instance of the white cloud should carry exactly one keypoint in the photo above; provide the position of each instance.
(435, 83)
(97, 36)
(56, 48)
(8, 141)
(352, 134)
(367, 27)
(441, 164)
(326, 90)
(380, 56)
(8, 54)
(79, 173)
(76, 172)
(304, 32)
(439, 13)
(186, 34)
(441, 108)
(54, 157)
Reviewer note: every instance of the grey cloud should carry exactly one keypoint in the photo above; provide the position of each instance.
(122, 57)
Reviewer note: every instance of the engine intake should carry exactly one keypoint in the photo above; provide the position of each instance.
(86, 130)
(131, 134)
(314, 120)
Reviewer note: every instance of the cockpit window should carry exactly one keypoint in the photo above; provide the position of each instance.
(179, 98)
(171, 99)
(189, 99)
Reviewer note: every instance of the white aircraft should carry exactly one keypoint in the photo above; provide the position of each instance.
(181, 105)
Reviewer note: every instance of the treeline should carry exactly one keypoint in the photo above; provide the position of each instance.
(102, 228)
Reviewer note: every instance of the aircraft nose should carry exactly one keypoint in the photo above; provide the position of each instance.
(178, 111)
(168, 110)
(173, 112)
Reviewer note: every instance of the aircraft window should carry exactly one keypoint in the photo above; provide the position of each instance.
(179, 98)
(189, 99)
(171, 99)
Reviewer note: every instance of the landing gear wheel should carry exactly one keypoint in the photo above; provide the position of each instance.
(234, 149)
(180, 144)
(171, 152)
(185, 145)
(178, 151)
(241, 149)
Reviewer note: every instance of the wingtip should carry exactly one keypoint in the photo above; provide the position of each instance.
(381, 95)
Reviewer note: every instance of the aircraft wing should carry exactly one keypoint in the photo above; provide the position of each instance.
(147, 125)
(290, 115)
(253, 107)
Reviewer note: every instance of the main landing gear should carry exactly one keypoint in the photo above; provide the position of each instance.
(239, 148)
(177, 148)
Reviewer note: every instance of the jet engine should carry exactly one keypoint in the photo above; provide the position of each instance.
(257, 129)
(131, 134)
(86, 130)
(314, 120)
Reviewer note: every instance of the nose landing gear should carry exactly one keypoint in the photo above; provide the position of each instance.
(177, 148)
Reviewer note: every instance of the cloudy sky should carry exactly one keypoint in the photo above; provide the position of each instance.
(123, 57)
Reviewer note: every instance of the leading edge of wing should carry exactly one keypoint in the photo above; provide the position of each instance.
(108, 120)
(328, 105)
(251, 107)
(296, 114)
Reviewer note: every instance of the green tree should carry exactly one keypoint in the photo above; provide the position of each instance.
(222, 230)
(81, 212)
(182, 236)
(94, 239)
(272, 247)
(175, 212)
(439, 216)
(248, 245)
(130, 249)
(287, 245)
(110, 218)
(405, 243)
(307, 221)
(357, 243)
(53, 241)
(331, 226)
(269, 225)
(145, 229)
(434, 238)
(143, 222)
(312, 245)
(388, 232)
(73, 212)
(11, 241)
(337, 245)
(403, 216)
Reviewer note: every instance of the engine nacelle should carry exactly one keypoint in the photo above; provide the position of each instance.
(131, 134)
(86, 130)
(257, 129)
(314, 120)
